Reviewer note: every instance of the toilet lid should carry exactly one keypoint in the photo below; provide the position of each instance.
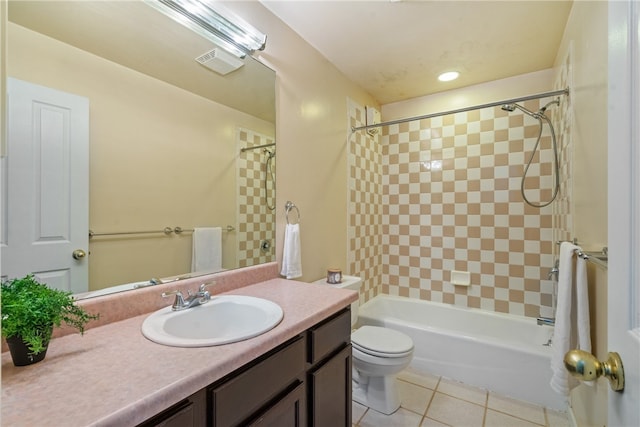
(381, 341)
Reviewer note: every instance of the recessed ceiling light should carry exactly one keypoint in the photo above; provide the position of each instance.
(448, 76)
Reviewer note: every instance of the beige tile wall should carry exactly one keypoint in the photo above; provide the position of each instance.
(255, 221)
(562, 118)
(451, 201)
(365, 195)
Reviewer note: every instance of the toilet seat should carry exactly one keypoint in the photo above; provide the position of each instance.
(382, 342)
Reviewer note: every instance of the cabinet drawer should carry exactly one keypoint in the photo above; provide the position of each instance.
(237, 399)
(329, 335)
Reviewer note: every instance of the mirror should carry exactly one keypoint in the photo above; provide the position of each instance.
(165, 136)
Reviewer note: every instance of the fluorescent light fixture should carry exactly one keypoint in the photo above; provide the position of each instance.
(448, 76)
(214, 22)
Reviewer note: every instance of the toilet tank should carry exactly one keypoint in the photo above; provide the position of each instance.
(352, 283)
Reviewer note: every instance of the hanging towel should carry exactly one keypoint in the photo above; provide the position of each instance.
(291, 257)
(572, 316)
(206, 254)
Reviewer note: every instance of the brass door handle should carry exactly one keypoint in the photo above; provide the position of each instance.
(586, 367)
(78, 254)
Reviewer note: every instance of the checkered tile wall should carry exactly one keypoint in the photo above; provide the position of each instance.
(256, 222)
(365, 232)
(451, 201)
(562, 120)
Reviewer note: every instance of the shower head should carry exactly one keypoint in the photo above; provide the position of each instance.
(543, 109)
(512, 107)
(536, 115)
(270, 153)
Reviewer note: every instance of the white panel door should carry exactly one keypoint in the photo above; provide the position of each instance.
(46, 186)
(624, 207)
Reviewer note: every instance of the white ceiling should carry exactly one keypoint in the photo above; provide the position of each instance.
(396, 49)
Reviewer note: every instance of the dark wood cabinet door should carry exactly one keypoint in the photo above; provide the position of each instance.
(330, 392)
(188, 413)
(239, 398)
(290, 411)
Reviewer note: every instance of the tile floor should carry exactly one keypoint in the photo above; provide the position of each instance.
(430, 401)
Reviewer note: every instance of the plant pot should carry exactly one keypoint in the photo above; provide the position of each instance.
(20, 353)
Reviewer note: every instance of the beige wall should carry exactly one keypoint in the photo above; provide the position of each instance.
(312, 141)
(585, 40)
(3, 72)
(159, 156)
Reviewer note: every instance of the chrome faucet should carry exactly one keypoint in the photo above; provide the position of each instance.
(151, 282)
(553, 273)
(180, 303)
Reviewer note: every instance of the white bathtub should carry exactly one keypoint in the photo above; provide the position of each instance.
(499, 352)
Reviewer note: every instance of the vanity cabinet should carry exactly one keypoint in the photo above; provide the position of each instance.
(190, 412)
(329, 372)
(303, 382)
(257, 390)
(330, 391)
(289, 411)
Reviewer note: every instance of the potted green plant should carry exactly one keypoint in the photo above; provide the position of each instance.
(30, 310)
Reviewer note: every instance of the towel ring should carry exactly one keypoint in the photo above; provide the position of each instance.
(287, 208)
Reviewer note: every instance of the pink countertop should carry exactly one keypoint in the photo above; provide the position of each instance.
(114, 376)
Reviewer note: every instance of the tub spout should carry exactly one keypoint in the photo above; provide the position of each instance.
(553, 272)
(546, 321)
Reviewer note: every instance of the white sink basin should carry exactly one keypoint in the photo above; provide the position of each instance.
(223, 320)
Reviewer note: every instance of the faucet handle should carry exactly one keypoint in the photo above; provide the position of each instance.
(204, 286)
(178, 303)
(203, 293)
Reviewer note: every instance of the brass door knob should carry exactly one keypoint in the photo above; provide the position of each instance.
(78, 254)
(586, 367)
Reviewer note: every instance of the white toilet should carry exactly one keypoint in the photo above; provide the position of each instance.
(378, 355)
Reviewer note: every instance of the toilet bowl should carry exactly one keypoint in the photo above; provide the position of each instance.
(378, 355)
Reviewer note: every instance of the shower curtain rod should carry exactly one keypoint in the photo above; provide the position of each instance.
(462, 110)
(243, 149)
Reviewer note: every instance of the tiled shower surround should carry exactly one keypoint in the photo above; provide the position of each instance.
(365, 192)
(562, 118)
(431, 196)
(255, 221)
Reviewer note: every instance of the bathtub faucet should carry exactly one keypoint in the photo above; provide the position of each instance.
(546, 321)
(553, 272)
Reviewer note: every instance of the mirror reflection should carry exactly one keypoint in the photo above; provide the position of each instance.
(175, 150)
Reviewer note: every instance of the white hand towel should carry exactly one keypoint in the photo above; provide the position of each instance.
(206, 254)
(572, 314)
(291, 256)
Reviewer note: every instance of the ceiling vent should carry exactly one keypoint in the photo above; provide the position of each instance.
(220, 61)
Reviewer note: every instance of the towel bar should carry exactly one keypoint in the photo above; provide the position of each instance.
(287, 208)
(601, 258)
(167, 231)
(180, 230)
